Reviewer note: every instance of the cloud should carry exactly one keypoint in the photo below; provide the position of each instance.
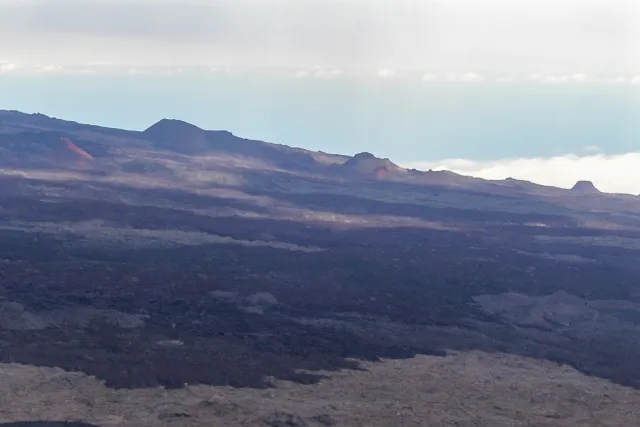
(610, 173)
(327, 73)
(102, 68)
(453, 77)
(488, 35)
(155, 71)
(535, 78)
(576, 78)
(225, 70)
(6, 67)
(319, 72)
(463, 78)
(48, 69)
(386, 73)
(614, 80)
(44, 69)
(97, 69)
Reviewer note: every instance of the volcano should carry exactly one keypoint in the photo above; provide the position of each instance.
(585, 187)
(369, 165)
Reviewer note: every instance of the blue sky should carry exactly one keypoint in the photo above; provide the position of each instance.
(407, 120)
(477, 86)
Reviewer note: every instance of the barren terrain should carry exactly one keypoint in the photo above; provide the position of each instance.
(465, 389)
(185, 277)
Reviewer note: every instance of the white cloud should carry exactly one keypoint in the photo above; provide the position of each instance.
(454, 77)
(51, 69)
(327, 73)
(386, 73)
(102, 68)
(155, 71)
(319, 72)
(579, 78)
(6, 67)
(484, 35)
(216, 70)
(171, 72)
(614, 80)
(535, 78)
(573, 78)
(139, 71)
(463, 78)
(101, 64)
(610, 173)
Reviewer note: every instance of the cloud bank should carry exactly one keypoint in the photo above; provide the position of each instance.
(610, 173)
(567, 37)
(323, 72)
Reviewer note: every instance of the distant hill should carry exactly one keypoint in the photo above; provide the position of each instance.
(179, 136)
(30, 139)
(584, 187)
(369, 165)
(183, 137)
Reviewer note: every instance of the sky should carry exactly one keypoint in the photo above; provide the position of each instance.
(544, 90)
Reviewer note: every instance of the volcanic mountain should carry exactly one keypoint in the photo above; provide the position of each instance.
(30, 139)
(178, 136)
(585, 187)
(368, 165)
(185, 138)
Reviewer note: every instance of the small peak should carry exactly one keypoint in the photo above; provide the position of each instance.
(364, 155)
(172, 125)
(370, 165)
(178, 136)
(585, 187)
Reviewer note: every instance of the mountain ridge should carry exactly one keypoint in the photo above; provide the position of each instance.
(181, 137)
